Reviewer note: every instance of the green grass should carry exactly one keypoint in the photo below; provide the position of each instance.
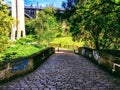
(66, 41)
(22, 47)
(18, 51)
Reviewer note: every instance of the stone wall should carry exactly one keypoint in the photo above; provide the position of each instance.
(109, 61)
(23, 65)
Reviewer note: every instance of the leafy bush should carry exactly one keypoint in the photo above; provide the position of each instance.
(113, 52)
(66, 41)
(20, 48)
(19, 51)
(5, 26)
(46, 26)
(26, 40)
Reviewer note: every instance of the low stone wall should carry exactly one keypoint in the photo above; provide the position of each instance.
(23, 65)
(105, 59)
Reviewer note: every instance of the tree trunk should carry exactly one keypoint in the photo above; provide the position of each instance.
(97, 44)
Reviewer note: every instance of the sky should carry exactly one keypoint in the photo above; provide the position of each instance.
(43, 3)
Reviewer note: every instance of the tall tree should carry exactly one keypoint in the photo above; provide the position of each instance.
(97, 22)
(70, 7)
(46, 26)
(5, 25)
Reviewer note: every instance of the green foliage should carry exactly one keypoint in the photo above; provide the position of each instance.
(5, 26)
(17, 51)
(46, 26)
(116, 1)
(67, 41)
(25, 46)
(29, 26)
(97, 22)
(26, 40)
(4, 43)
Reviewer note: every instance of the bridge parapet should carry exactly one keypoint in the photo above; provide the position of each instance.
(23, 65)
(102, 58)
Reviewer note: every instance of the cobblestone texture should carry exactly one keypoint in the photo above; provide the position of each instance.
(65, 71)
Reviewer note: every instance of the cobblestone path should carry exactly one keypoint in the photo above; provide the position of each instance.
(65, 71)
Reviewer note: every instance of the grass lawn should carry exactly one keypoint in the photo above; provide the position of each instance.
(23, 48)
(18, 50)
(64, 41)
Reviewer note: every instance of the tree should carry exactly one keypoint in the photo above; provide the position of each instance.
(46, 26)
(102, 23)
(97, 23)
(29, 26)
(5, 26)
(70, 7)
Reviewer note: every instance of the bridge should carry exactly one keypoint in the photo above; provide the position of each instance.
(65, 70)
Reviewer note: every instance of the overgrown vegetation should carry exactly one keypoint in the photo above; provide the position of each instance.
(66, 41)
(91, 23)
(97, 22)
(45, 26)
(5, 27)
(40, 31)
(20, 48)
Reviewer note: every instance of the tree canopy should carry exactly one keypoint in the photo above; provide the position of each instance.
(46, 26)
(5, 25)
(97, 22)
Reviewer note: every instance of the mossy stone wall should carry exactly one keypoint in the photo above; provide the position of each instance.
(23, 65)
